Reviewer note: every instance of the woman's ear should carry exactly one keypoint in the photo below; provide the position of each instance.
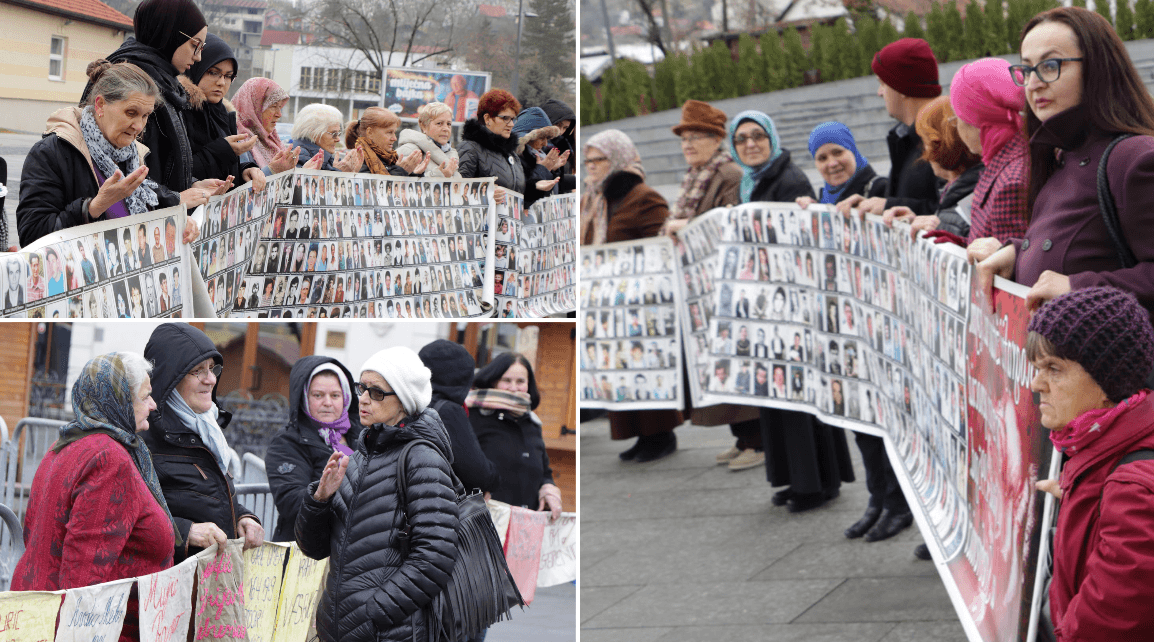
(98, 106)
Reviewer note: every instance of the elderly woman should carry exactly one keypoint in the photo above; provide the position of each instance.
(316, 129)
(842, 167)
(374, 134)
(533, 131)
(99, 475)
(1093, 349)
(488, 147)
(88, 166)
(324, 418)
(259, 102)
(713, 179)
(351, 515)
(187, 442)
(436, 128)
(211, 122)
(617, 205)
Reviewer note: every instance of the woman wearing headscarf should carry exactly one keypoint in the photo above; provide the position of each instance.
(352, 515)
(259, 102)
(617, 205)
(211, 119)
(96, 512)
(533, 131)
(323, 418)
(842, 167)
(713, 179)
(187, 442)
(768, 173)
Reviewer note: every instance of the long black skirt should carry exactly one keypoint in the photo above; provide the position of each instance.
(804, 453)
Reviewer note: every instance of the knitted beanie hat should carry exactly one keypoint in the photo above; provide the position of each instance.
(701, 117)
(403, 370)
(908, 66)
(1106, 331)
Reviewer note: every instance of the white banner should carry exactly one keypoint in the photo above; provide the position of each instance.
(166, 603)
(94, 613)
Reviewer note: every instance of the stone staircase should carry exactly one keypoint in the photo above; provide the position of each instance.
(796, 111)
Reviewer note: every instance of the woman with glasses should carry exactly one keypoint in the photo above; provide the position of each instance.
(768, 173)
(713, 179)
(435, 121)
(376, 590)
(211, 121)
(488, 147)
(1083, 92)
(187, 442)
(317, 129)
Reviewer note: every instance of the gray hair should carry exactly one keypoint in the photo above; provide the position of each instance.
(136, 367)
(314, 120)
(427, 113)
(118, 81)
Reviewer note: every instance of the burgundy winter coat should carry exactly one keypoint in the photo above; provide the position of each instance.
(1104, 560)
(1066, 232)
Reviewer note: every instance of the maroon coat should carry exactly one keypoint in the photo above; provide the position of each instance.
(1104, 559)
(1066, 233)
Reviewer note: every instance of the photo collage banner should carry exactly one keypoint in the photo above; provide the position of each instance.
(631, 337)
(544, 258)
(129, 268)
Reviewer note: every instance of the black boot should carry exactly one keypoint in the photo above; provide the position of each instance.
(631, 454)
(657, 447)
(782, 497)
(861, 526)
(889, 524)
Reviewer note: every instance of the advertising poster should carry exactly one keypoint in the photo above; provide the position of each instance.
(408, 88)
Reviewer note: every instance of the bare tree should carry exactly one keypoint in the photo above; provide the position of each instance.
(378, 28)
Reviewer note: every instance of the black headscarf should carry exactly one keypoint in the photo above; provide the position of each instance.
(158, 24)
(219, 123)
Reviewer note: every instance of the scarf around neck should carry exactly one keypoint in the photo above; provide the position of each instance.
(696, 182)
(622, 155)
(374, 155)
(1088, 426)
(331, 431)
(490, 400)
(108, 158)
(206, 425)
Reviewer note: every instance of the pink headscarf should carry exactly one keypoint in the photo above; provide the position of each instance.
(253, 97)
(983, 94)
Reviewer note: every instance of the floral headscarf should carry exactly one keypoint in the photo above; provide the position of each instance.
(623, 156)
(255, 96)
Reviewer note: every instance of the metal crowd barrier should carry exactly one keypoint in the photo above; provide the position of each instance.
(258, 499)
(11, 545)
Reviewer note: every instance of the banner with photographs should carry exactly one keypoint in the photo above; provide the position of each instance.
(507, 228)
(544, 258)
(697, 260)
(631, 337)
(361, 246)
(128, 268)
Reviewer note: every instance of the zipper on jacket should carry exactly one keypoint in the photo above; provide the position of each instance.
(197, 467)
(345, 537)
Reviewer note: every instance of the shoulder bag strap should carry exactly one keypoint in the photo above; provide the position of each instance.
(1137, 455)
(1110, 210)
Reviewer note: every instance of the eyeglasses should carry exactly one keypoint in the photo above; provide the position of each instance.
(1048, 70)
(216, 74)
(596, 161)
(693, 138)
(756, 137)
(202, 373)
(507, 119)
(376, 394)
(198, 47)
(334, 135)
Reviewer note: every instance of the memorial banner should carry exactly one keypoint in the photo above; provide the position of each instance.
(130, 268)
(296, 611)
(263, 576)
(545, 258)
(697, 261)
(29, 616)
(630, 334)
(166, 603)
(220, 594)
(93, 613)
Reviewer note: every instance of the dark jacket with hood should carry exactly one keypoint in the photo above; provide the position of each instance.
(954, 208)
(170, 162)
(194, 486)
(912, 181)
(516, 446)
(783, 182)
(452, 367)
(484, 154)
(371, 594)
(557, 112)
(207, 123)
(297, 456)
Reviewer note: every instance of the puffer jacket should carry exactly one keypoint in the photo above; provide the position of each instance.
(297, 455)
(194, 486)
(371, 593)
(484, 154)
(452, 367)
(58, 180)
(410, 140)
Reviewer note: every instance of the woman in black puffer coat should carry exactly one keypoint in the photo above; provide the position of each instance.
(298, 454)
(353, 513)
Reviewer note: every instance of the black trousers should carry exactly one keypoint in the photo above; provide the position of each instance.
(881, 481)
(803, 452)
(748, 434)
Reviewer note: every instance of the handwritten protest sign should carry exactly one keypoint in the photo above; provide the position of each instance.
(559, 551)
(28, 616)
(523, 548)
(500, 512)
(166, 603)
(94, 613)
(303, 578)
(263, 572)
(220, 594)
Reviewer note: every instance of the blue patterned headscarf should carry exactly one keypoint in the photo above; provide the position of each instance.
(102, 402)
(754, 174)
(838, 134)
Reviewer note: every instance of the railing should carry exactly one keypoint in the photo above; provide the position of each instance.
(11, 545)
(258, 499)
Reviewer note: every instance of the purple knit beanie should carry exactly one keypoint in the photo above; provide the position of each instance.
(1106, 331)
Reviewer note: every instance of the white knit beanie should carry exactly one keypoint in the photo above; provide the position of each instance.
(406, 374)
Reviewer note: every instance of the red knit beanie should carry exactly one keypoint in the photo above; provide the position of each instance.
(908, 66)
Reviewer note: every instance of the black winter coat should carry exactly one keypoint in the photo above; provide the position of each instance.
(207, 126)
(297, 456)
(452, 369)
(783, 182)
(170, 163)
(518, 449)
(912, 180)
(310, 149)
(484, 153)
(194, 486)
(949, 209)
(371, 594)
(558, 111)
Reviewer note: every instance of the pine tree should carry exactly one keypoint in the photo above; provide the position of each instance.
(796, 61)
(1079, 3)
(773, 60)
(1018, 13)
(591, 111)
(887, 33)
(748, 75)
(867, 37)
(936, 33)
(699, 86)
(665, 82)
(913, 27)
(1125, 19)
(995, 19)
(721, 70)
(955, 31)
(1144, 18)
(1102, 8)
(849, 53)
(974, 39)
(818, 35)
(626, 90)
(548, 39)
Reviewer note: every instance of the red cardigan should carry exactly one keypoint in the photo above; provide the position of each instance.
(1104, 564)
(92, 519)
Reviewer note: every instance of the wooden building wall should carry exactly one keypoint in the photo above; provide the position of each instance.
(17, 342)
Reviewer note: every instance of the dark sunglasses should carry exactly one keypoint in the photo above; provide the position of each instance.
(376, 394)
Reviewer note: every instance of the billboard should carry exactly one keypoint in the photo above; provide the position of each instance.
(407, 88)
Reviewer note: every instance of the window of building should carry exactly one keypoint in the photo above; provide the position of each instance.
(306, 81)
(251, 26)
(332, 80)
(374, 83)
(56, 58)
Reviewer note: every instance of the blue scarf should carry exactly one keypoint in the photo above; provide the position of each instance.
(753, 175)
(838, 134)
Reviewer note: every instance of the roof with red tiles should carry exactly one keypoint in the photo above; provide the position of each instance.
(92, 11)
(274, 37)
